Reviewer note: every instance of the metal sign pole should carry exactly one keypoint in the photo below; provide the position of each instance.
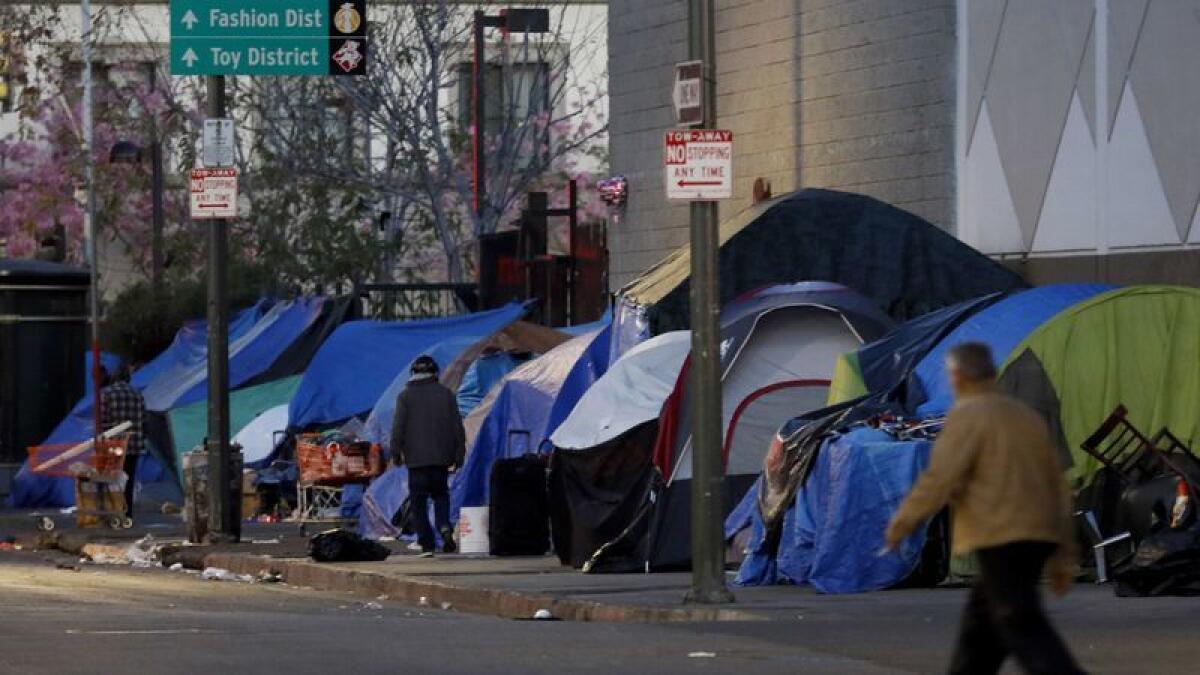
(708, 475)
(224, 516)
(85, 10)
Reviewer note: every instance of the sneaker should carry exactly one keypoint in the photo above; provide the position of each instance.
(448, 545)
(426, 554)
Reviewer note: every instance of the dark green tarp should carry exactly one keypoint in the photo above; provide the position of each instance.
(907, 265)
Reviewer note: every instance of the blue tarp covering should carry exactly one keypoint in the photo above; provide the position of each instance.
(1002, 327)
(835, 528)
(585, 328)
(358, 363)
(528, 401)
(381, 501)
(111, 363)
(378, 428)
(487, 370)
(886, 362)
(176, 377)
(250, 353)
(589, 368)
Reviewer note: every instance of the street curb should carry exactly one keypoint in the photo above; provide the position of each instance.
(407, 589)
(488, 601)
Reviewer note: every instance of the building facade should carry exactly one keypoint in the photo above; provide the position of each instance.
(1058, 136)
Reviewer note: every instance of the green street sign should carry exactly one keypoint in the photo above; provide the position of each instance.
(268, 37)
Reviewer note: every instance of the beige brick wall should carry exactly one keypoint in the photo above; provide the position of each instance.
(848, 94)
(877, 101)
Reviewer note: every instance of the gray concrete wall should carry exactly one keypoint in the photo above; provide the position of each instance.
(877, 103)
(646, 39)
(847, 94)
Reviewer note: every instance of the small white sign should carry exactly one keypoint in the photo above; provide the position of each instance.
(698, 164)
(214, 193)
(688, 93)
(218, 142)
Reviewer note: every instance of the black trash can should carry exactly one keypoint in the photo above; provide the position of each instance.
(43, 343)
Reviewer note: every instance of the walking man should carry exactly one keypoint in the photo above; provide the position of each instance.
(120, 402)
(428, 438)
(996, 466)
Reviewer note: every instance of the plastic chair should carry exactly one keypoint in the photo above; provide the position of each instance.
(1100, 544)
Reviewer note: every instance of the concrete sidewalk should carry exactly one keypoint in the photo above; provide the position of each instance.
(514, 588)
(505, 587)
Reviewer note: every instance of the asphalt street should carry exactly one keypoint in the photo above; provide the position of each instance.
(106, 619)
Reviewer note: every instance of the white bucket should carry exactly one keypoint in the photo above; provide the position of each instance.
(473, 529)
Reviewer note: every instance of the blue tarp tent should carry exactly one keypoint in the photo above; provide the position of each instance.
(523, 410)
(111, 363)
(250, 353)
(178, 376)
(358, 363)
(484, 374)
(833, 531)
(378, 428)
(885, 363)
(1002, 327)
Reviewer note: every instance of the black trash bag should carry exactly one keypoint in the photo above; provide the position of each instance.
(1166, 563)
(345, 546)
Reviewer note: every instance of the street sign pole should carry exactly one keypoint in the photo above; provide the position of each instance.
(708, 545)
(224, 517)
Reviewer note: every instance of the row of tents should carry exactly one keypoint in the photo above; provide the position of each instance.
(828, 299)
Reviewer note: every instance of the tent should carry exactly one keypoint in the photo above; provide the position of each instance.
(1135, 346)
(361, 359)
(902, 263)
(521, 412)
(1001, 327)
(906, 366)
(834, 529)
(632, 392)
(250, 353)
(883, 366)
(189, 346)
(601, 466)
(778, 347)
(189, 424)
(478, 368)
(456, 358)
(270, 337)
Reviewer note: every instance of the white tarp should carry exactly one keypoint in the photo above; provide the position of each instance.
(258, 437)
(630, 393)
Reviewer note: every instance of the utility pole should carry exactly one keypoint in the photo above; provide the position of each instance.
(224, 516)
(708, 474)
(85, 11)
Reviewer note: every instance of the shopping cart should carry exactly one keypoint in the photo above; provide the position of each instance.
(97, 468)
(326, 467)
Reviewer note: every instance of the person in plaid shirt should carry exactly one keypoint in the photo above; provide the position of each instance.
(120, 402)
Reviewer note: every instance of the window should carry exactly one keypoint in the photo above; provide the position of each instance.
(512, 94)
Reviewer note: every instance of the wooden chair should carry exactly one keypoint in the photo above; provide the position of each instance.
(1118, 445)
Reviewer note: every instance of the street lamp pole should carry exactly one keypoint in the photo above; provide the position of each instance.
(89, 171)
(708, 474)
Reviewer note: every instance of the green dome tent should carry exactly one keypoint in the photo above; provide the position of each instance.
(1137, 346)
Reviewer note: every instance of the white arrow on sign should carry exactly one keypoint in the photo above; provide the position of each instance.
(189, 19)
(189, 57)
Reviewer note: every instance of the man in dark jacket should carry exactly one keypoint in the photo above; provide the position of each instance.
(428, 438)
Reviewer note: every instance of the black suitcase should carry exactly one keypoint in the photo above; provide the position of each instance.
(518, 509)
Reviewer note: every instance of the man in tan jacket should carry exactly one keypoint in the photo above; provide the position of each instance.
(996, 466)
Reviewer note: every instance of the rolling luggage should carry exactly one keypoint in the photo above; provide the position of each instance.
(518, 509)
